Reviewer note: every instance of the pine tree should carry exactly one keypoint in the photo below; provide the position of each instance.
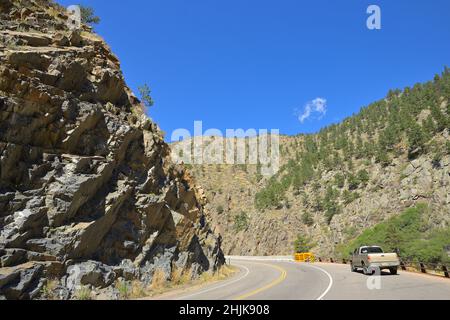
(363, 177)
(359, 148)
(302, 244)
(393, 238)
(145, 91)
(382, 157)
(428, 127)
(439, 117)
(88, 15)
(307, 219)
(416, 140)
(339, 180)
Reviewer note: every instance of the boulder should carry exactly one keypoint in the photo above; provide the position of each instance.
(75, 38)
(18, 282)
(127, 270)
(60, 39)
(92, 273)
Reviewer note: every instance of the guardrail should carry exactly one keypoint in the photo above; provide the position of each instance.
(437, 269)
(304, 257)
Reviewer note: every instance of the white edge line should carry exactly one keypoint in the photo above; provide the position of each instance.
(218, 287)
(329, 285)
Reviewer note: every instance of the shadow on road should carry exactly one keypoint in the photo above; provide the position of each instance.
(383, 273)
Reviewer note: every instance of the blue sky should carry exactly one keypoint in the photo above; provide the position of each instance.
(260, 63)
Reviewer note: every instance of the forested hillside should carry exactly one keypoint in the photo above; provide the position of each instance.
(406, 123)
(392, 155)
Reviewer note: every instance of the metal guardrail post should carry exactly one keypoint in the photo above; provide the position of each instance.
(422, 268)
(444, 268)
(402, 265)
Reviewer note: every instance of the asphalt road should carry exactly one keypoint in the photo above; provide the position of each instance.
(267, 279)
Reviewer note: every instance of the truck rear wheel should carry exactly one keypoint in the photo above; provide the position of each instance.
(352, 267)
(366, 270)
(393, 270)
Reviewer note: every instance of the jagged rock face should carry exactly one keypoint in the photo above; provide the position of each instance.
(87, 191)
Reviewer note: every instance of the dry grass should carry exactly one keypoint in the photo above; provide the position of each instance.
(48, 290)
(84, 293)
(183, 279)
(159, 280)
(180, 279)
(221, 274)
(137, 290)
(53, 11)
(92, 36)
(124, 289)
(131, 290)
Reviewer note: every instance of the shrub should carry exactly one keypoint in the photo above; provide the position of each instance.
(363, 177)
(88, 16)
(159, 280)
(145, 92)
(339, 180)
(124, 289)
(84, 293)
(353, 182)
(307, 219)
(219, 209)
(241, 221)
(48, 290)
(349, 197)
(302, 244)
(271, 196)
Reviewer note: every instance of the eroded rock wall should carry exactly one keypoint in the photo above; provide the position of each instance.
(88, 194)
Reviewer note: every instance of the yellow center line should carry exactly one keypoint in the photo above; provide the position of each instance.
(280, 279)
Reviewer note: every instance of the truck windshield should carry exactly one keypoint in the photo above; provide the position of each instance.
(372, 250)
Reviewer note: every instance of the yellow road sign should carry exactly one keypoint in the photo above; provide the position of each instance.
(304, 257)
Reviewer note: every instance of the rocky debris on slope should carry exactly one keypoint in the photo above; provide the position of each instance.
(88, 194)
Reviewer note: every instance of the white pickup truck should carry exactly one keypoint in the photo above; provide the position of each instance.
(371, 258)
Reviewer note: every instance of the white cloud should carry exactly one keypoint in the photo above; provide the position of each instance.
(316, 108)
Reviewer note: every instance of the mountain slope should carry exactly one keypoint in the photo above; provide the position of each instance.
(333, 185)
(88, 195)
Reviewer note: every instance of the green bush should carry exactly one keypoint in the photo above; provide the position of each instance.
(330, 204)
(146, 98)
(339, 180)
(353, 182)
(363, 177)
(303, 244)
(349, 197)
(241, 221)
(88, 16)
(307, 219)
(271, 196)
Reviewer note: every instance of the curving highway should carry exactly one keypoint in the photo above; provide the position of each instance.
(283, 279)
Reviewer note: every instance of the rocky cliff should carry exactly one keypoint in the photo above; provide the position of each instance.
(88, 195)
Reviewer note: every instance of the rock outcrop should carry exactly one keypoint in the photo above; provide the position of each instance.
(88, 194)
